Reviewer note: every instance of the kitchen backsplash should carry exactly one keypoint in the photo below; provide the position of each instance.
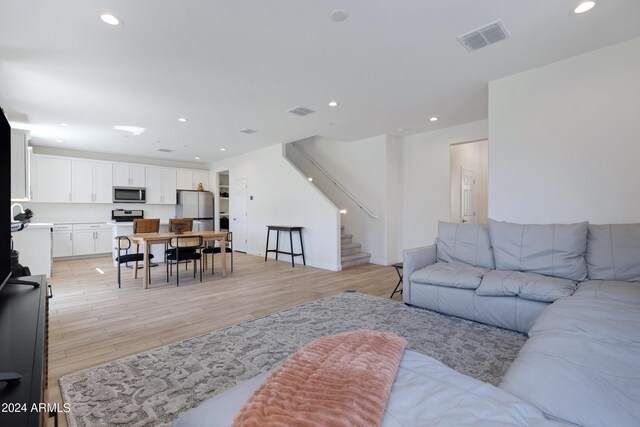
(82, 212)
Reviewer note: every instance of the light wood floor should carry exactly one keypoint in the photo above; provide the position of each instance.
(92, 321)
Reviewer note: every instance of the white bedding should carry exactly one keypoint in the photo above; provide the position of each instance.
(425, 393)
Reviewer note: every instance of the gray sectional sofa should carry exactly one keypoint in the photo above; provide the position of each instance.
(575, 289)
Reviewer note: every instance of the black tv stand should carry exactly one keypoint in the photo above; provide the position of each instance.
(9, 377)
(23, 352)
(22, 282)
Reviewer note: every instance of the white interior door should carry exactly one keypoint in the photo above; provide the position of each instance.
(238, 224)
(468, 201)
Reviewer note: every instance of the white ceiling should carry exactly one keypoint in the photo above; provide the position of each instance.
(227, 65)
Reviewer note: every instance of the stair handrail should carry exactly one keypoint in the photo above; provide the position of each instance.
(336, 183)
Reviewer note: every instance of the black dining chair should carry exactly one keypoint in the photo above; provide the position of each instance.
(217, 250)
(186, 249)
(178, 225)
(124, 244)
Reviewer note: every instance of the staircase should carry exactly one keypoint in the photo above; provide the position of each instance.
(351, 254)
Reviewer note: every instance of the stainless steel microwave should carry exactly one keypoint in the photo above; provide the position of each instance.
(129, 195)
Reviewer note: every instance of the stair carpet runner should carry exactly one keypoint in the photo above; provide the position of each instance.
(351, 254)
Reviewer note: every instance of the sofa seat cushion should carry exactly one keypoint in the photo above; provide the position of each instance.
(450, 274)
(610, 289)
(555, 250)
(613, 252)
(467, 243)
(580, 363)
(530, 286)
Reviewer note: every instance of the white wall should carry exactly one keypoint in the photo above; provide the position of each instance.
(565, 140)
(426, 186)
(395, 199)
(283, 196)
(360, 166)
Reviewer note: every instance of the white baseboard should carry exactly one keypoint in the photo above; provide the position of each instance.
(298, 261)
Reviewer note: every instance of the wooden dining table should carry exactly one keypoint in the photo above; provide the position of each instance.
(148, 239)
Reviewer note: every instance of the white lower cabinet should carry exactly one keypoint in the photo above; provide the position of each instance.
(81, 239)
(89, 239)
(84, 242)
(62, 241)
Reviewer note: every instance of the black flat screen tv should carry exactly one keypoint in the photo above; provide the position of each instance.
(5, 199)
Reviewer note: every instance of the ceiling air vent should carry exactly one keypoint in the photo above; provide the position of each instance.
(164, 150)
(300, 111)
(484, 36)
(248, 131)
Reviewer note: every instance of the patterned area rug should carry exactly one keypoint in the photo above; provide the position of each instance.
(154, 387)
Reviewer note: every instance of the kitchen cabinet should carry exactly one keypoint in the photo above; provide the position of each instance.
(89, 239)
(189, 179)
(91, 181)
(161, 186)
(201, 177)
(62, 245)
(125, 175)
(19, 165)
(50, 179)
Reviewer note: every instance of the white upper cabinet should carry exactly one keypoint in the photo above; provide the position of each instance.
(19, 165)
(169, 186)
(128, 175)
(189, 179)
(201, 177)
(154, 186)
(91, 181)
(51, 179)
(82, 181)
(161, 186)
(184, 179)
(102, 183)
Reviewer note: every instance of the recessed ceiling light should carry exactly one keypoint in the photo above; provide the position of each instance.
(197, 158)
(343, 211)
(182, 119)
(309, 179)
(108, 18)
(59, 140)
(64, 124)
(433, 119)
(333, 104)
(585, 6)
(223, 149)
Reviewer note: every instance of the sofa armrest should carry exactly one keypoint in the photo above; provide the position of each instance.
(415, 259)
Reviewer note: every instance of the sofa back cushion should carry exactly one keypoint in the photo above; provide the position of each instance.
(467, 243)
(613, 252)
(552, 249)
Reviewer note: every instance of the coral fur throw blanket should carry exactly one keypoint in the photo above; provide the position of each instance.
(337, 380)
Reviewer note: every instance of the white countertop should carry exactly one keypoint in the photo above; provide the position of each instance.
(36, 225)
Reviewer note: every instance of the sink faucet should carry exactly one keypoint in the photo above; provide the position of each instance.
(13, 206)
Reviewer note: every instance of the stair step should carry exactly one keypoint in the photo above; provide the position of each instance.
(355, 259)
(346, 238)
(350, 248)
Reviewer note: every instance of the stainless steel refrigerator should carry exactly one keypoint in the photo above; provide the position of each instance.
(197, 205)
